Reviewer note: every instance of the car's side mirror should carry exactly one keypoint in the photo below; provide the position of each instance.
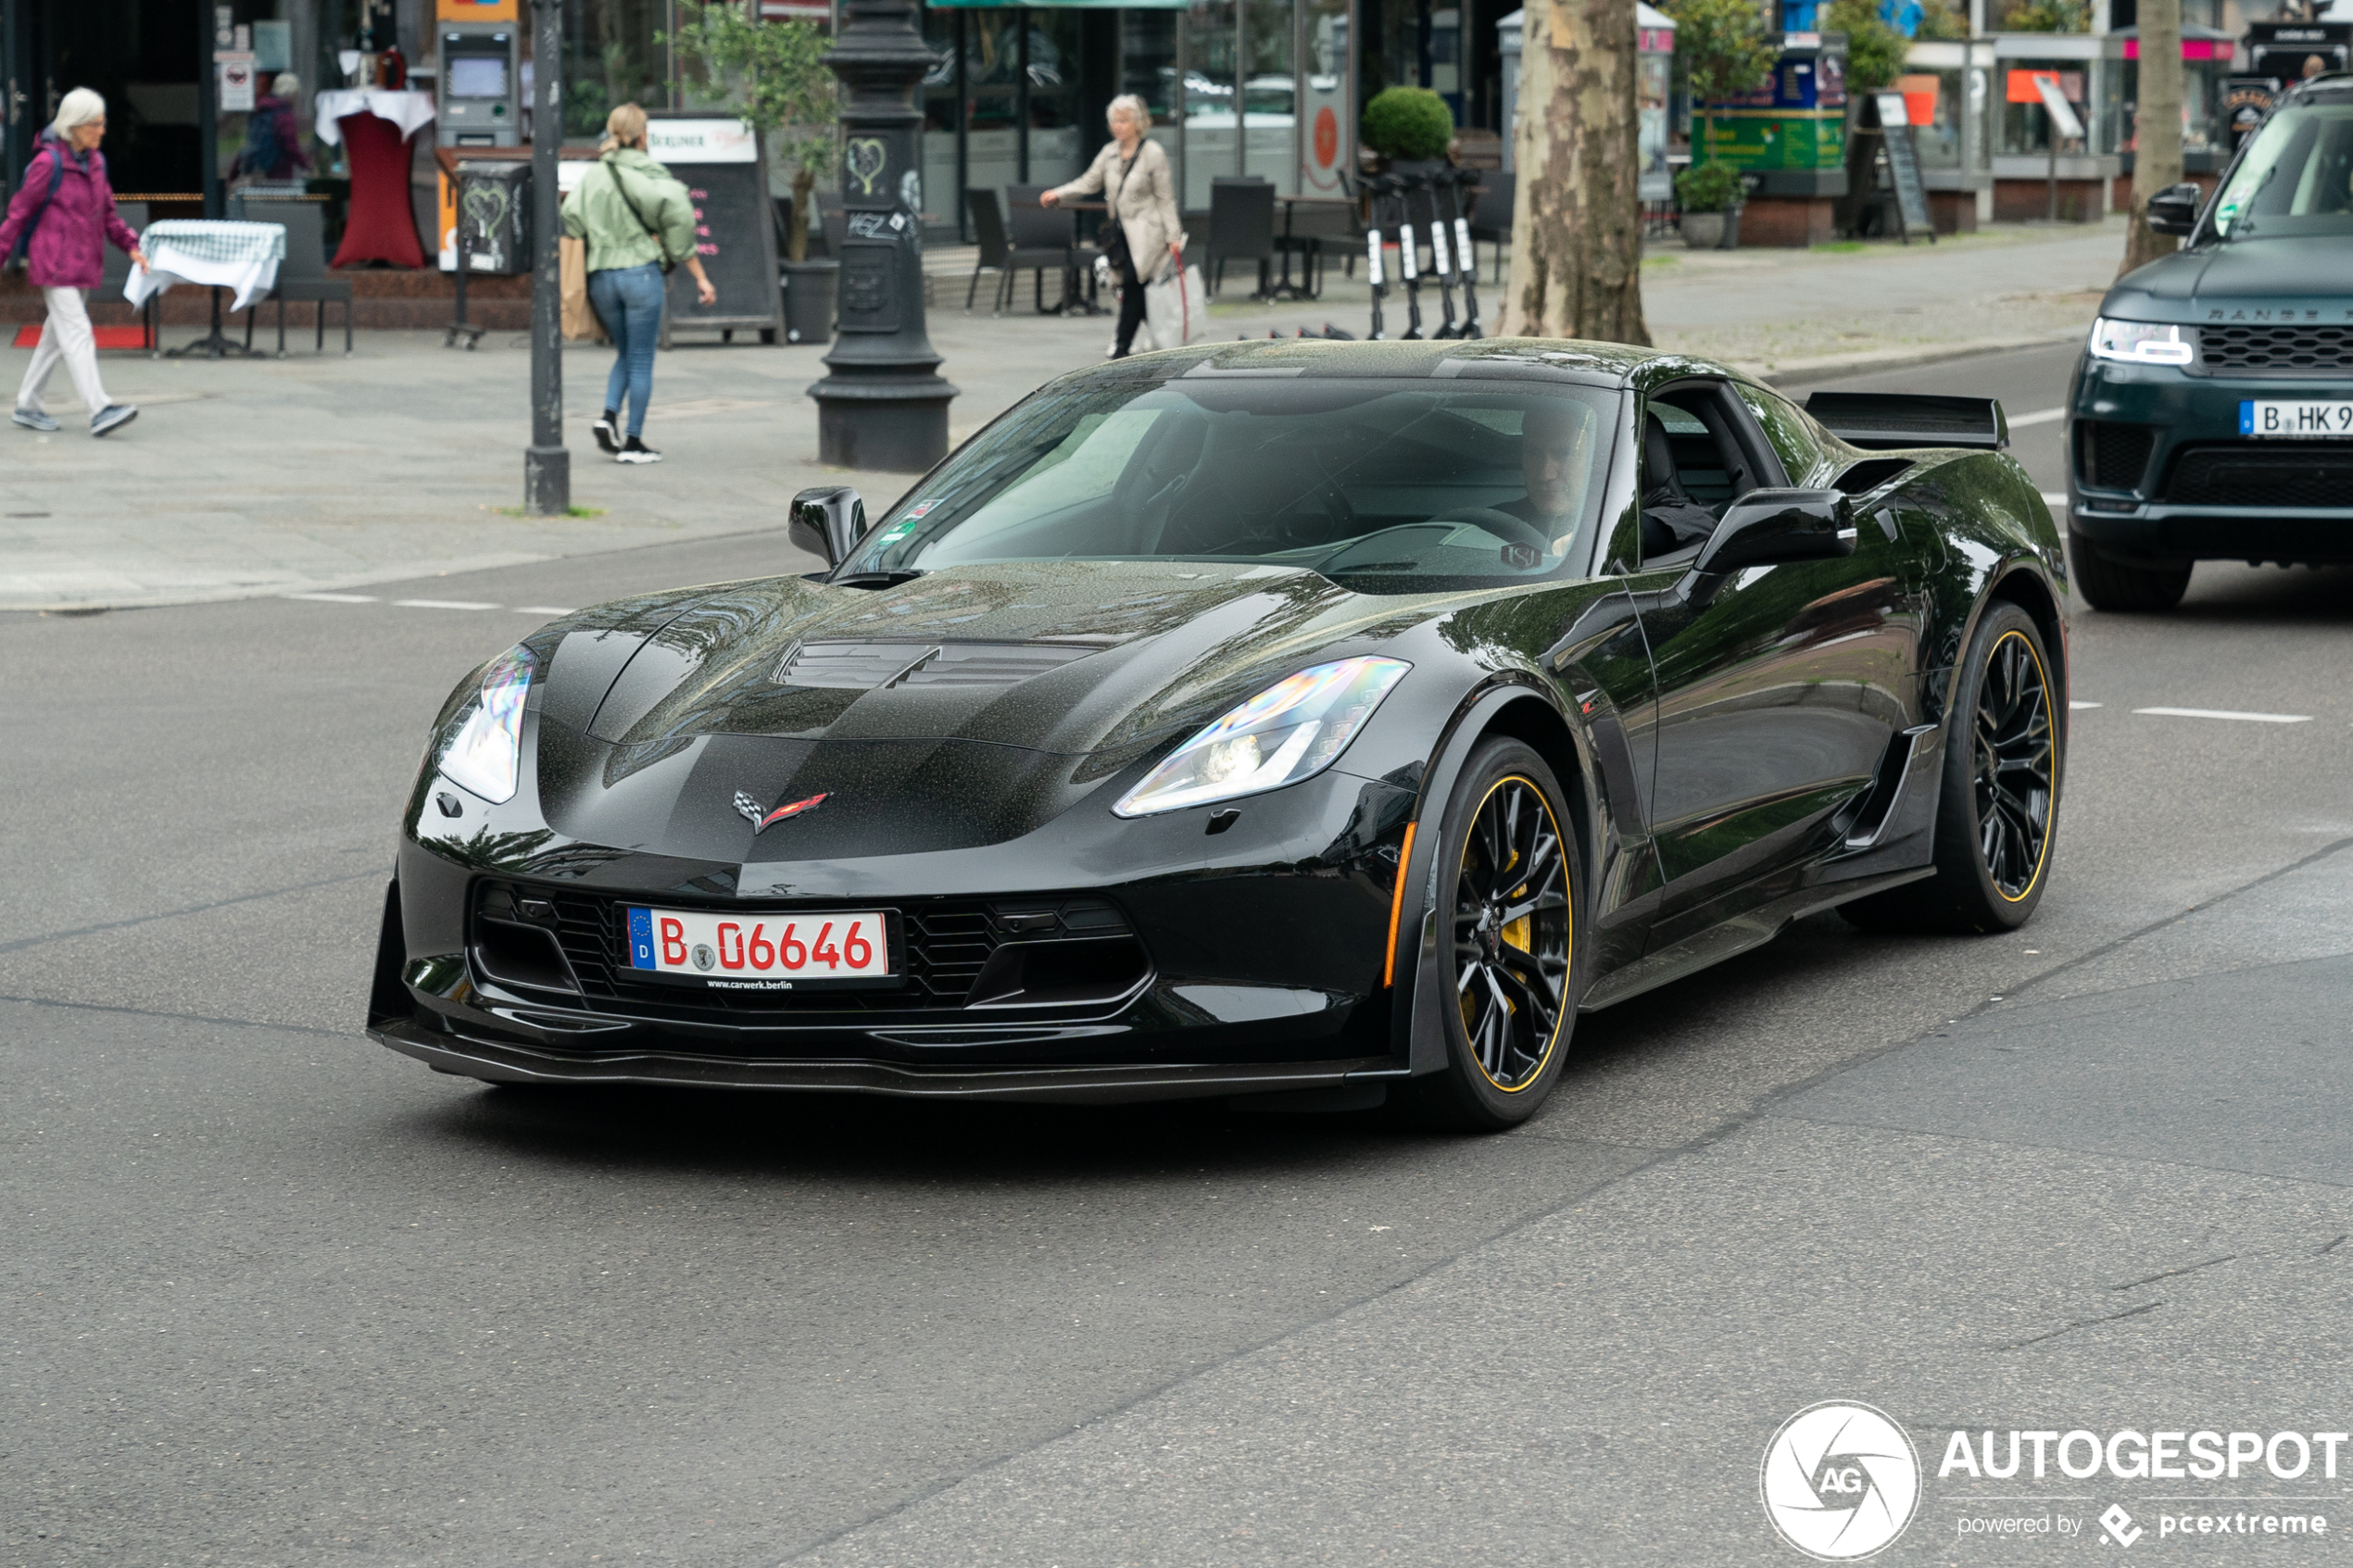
(1768, 527)
(2173, 211)
(828, 522)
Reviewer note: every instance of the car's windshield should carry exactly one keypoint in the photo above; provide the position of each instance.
(1386, 486)
(2297, 178)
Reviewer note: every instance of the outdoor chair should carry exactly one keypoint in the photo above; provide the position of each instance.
(1038, 229)
(998, 252)
(117, 274)
(1241, 225)
(1319, 231)
(303, 275)
(1491, 215)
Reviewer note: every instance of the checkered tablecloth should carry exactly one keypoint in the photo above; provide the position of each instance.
(244, 257)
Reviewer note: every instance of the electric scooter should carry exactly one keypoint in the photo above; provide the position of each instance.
(1466, 258)
(1375, 191)
(1441, 264)
(1408, 262)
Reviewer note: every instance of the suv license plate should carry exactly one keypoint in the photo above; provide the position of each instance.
(761, 952)
(2311, 417)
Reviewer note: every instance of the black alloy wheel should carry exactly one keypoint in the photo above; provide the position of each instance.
(1511, 877)
(2014, 765)
(1997, 803)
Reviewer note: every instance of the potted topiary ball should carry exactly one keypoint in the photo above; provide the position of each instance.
(1709, 196)
(1408, 125)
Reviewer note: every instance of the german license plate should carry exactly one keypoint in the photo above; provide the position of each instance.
(2312, 416)
(761, 952)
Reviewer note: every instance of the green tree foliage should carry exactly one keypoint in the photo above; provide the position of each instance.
(2047, 16)
(1940, 20)
(1408, 122)
(1874, 49)
(773, 74)
(1726, 54)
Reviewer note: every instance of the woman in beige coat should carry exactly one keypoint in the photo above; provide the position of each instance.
(1149, 237)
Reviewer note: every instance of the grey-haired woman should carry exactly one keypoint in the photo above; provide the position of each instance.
(1148, 237)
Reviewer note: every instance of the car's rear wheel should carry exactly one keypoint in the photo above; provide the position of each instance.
(1996, 812)
(1512, 886)
(2111, 585)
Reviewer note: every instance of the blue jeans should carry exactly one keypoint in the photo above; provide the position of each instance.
(628, 301)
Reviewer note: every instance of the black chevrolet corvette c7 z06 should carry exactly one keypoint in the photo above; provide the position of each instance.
(1319, 719)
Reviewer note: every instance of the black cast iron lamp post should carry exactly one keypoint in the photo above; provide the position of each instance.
(546, 467)
(883, 404)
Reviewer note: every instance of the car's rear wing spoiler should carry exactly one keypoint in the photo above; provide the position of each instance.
(1883, 419)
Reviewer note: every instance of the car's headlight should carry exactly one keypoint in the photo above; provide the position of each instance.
(487, 747)
(2141, 343)
(1291, 730)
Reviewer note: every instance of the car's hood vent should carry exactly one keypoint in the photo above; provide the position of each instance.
(871, 666)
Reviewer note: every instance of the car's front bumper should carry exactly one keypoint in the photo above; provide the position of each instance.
(2157, 470)
(1246, 961)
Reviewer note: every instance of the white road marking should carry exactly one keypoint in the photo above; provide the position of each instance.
(2054, 498)
(2038, 417)
(2082, 705)
(442, 604)
(545, 610)
(336, 598)
(2226, 714)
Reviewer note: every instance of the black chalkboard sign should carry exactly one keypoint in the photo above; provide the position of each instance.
(1904, 167)
(718, 162)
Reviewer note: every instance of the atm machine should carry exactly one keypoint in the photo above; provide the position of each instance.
(479, 92)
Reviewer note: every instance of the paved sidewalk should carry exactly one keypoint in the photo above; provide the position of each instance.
(327, 474)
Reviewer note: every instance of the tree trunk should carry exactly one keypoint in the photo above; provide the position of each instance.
(2156, 163)
(1576, 244)
(804, 189)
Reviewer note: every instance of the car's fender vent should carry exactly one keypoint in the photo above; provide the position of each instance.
(2284, 349)
(1862, 479)
(865, 666)
(2110, 456)
(2286, 475)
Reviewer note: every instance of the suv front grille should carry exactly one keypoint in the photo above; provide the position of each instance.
(2110, 456)
(2283, 348)
(946, 945)
(2263, 476)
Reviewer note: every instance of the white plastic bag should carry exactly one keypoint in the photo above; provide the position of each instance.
(1176, 307)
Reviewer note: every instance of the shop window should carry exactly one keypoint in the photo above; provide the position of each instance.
(1060, 146)
(1270, 94)
(1213, 121)
(1328, 121)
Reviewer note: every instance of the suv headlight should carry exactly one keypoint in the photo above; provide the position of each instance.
(2143, 343)
(1291, 730)
(486, 749)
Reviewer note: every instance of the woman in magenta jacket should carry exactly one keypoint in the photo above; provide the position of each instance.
(62, 217)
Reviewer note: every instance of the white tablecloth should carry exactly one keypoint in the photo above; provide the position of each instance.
(242, 256)
(406, 109)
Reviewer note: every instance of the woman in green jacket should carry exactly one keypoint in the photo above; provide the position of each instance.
(638, 223)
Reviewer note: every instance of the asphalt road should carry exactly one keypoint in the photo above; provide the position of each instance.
(277, 1295)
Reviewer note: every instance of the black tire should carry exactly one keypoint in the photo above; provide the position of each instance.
(1504, 846)
(2107, 585)
(1999, 795)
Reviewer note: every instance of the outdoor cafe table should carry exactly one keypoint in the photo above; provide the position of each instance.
(213, 253)
(1283, 288)
(374, 124)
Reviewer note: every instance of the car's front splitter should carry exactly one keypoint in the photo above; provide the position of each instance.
(506, 1061)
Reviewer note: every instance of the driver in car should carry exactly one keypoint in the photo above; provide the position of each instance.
(1556, 449)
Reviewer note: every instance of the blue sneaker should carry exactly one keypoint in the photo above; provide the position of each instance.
(34, 419)
(111, 418)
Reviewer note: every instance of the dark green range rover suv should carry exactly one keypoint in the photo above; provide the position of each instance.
(2211, 416)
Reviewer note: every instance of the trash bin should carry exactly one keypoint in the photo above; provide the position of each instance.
(493, 216)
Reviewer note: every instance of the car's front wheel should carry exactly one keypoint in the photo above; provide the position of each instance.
(2111, 585)
(1512, 885)
(1997, 804)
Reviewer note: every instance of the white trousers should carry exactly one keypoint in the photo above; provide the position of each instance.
(65, 337)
